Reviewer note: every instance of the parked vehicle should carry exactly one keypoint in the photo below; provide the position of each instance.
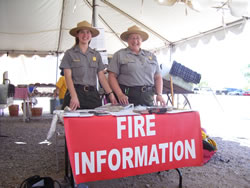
(225, 91)
(196, 90)
(246, 93)
(236, 92)
(202, 90)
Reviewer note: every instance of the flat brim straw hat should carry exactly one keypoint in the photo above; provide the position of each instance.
(84, 25)
(168, 2)
(134, 30)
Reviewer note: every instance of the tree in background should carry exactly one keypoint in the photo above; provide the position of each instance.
(203, 84)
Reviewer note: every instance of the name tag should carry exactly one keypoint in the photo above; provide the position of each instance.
(76, 60)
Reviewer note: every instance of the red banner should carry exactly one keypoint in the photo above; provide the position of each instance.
(107, 147)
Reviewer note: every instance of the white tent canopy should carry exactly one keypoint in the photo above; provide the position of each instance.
(42, 27)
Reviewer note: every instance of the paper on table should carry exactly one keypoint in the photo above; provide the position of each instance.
(127, 112)
(77, 114)
(114, 107)
(179, 111)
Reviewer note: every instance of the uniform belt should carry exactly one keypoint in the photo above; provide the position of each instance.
(85, 87)
(138, 88)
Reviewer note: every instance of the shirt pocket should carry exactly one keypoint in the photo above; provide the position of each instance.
(151, 66)
(128, 66)
(93, 64)
(77, 68)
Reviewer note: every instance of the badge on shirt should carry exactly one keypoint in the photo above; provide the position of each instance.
(94, 58)
(76, 60)
(150, 57)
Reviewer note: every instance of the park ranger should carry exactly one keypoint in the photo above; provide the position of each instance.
(81, 66)
(134, 73)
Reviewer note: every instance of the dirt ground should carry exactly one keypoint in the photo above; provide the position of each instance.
(22, 155)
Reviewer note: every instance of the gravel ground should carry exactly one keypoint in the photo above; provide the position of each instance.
(28, 157)
(229, 167)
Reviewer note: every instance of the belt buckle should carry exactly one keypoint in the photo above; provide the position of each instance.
(86, 88)
(143, 89)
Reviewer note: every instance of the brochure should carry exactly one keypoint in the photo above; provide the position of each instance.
(114, 108)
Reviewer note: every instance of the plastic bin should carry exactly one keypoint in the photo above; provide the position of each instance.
(14, 110)
(53, 104)
(36, 111)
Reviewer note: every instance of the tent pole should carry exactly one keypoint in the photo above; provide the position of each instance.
(94, 13)
(57, 59)
(105, 23)
(59, 39)
(60, 31)
(111, 29)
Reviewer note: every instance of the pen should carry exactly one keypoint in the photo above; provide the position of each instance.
(126, 91)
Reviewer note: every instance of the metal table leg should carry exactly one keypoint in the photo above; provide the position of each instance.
(185, 102)
(66, 161)
(180, 177)
(68, 177)
(0, 131)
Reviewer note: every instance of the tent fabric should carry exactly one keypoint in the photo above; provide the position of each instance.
(42, 27)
